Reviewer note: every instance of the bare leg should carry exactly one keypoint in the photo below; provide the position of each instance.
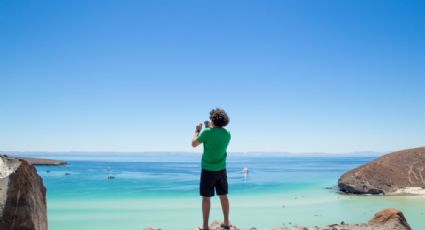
(225, 207)
(206, 204)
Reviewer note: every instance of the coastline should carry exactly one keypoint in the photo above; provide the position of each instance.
(409, 191)
(162, 190)
(42, 161)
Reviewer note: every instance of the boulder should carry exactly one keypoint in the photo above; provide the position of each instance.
(22, 196)
(392, 218)
(397, 173)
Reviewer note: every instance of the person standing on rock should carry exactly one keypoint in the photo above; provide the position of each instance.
(215, 139)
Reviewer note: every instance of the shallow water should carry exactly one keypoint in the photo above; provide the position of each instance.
(161, 189)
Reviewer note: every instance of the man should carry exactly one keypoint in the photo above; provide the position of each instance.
(214, 176)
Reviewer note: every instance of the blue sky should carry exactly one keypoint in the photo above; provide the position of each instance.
(297, 76)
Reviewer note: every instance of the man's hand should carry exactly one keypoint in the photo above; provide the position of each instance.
(199, 127)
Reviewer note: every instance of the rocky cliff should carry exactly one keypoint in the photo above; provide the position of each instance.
(22, 196)
(401, 172)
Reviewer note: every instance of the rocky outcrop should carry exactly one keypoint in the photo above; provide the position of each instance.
(388, 219)
(216, 225)
(397, 173)
(41, 161)
(22, 196)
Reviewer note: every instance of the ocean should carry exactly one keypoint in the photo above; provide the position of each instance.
(161, 190)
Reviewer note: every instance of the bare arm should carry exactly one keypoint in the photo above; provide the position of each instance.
(195, 142)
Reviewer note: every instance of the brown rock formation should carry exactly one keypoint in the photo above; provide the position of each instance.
(401, 172)
(392, 218)
(41, 161)
(22, 196)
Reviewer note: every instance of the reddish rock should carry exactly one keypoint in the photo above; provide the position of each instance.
(391, 217)
(401, 172)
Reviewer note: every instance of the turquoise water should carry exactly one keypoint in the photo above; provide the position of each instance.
(161, 189)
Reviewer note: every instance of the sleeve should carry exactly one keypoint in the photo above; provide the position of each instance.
(203, 136)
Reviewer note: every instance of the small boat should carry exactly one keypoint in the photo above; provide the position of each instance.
(245, 171)
(67, 173)
(110, 177)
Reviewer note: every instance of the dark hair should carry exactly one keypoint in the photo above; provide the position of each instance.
(219, 117)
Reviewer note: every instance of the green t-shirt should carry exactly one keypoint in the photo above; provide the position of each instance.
(215, 148)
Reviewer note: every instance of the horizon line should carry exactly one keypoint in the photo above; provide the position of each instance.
(200, 152)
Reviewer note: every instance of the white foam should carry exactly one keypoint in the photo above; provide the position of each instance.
(411, 191)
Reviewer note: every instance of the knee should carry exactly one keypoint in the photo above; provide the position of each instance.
(223, 197)
(205, 198)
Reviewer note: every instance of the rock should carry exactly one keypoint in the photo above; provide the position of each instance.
(392, 217)
(397, 173)
(22, 196)
(388, 219)
(216, 226)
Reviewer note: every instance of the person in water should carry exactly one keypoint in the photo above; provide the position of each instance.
(215, 140)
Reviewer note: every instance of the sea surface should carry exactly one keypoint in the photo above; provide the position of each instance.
(161, 190)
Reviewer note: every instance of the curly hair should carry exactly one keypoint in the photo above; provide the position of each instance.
(219, 117)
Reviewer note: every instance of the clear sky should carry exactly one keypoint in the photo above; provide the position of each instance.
(298, 76)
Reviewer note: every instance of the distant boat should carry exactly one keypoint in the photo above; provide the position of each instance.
(110, 177)
(245, 172)
(67, 173)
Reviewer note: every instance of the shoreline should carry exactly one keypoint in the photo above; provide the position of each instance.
(408, 191)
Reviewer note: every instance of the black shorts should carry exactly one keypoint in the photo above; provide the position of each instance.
(211, 180)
